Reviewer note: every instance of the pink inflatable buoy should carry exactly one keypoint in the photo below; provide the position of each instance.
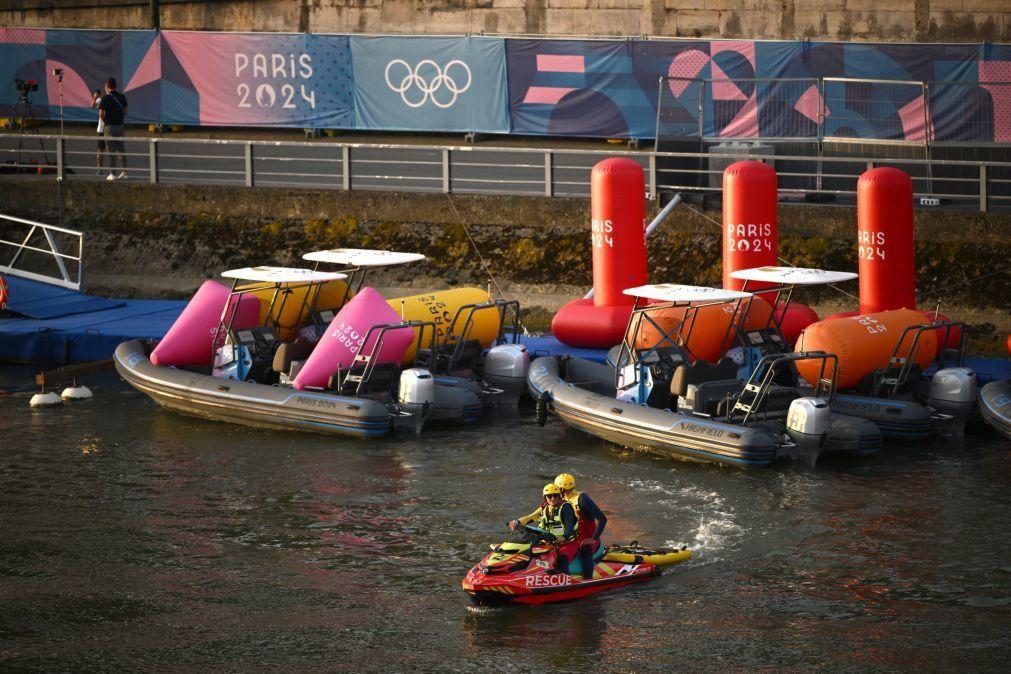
(345, 338)
(188, 341)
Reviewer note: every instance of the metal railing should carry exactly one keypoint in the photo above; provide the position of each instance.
(827, 172)
(29, 259)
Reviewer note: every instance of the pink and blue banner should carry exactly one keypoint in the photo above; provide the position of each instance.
(718, 89)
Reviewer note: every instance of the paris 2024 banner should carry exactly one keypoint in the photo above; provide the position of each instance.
(597, 88)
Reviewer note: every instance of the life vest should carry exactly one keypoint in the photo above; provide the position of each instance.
(551, 520)
(573, 500)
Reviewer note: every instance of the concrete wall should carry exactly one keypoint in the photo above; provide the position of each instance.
(848, 20)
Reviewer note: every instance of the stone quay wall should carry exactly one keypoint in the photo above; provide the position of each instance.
(844, 20)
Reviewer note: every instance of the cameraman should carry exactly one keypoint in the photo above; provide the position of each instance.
(112, 114)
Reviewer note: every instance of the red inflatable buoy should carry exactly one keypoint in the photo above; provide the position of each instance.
(3, 291)
(750, 220)
(796, 317)
(618, 224)
(618, 239)
(885, 240)
(1009, 343)
(581, 324)
(954, 335)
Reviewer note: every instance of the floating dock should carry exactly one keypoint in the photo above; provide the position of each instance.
(44, 324)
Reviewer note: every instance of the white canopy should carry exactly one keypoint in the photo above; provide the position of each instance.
(790, 276)
(672, 292)
(362, 257)
(283, 275)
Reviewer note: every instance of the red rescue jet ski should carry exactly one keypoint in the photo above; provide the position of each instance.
(525, 573)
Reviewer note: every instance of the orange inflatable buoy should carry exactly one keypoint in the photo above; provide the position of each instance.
(709, 328)
(864, 344)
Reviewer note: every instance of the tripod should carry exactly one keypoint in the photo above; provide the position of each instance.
(22, 110)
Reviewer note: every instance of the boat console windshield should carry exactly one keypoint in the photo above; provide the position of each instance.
(248, 353)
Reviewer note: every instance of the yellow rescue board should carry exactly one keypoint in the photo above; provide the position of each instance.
(660, 556)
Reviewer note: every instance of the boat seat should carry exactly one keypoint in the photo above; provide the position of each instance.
(700, 372)
(712, 397)
(289, 351)
(448, 359)
(880, 382)
(778, 400)
(381, 380)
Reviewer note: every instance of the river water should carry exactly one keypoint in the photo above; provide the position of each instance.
(132, 538)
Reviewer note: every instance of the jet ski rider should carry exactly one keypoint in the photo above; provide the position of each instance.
(556, 516)
(591, 525)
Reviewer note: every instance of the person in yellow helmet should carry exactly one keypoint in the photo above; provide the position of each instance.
(557, 517)
(591, 523)
(554, 514)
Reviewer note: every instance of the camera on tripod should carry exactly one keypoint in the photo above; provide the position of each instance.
(26, 86)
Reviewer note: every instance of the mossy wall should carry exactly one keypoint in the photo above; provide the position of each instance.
(198, 231)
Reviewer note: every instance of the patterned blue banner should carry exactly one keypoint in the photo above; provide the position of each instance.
(430, 84)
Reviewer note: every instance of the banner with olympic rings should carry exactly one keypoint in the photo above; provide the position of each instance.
(430, 84)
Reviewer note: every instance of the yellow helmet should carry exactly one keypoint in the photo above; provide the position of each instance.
(550, 488)
(565, 481)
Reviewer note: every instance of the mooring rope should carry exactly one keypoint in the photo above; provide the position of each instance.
(473, 243)
(788, 263)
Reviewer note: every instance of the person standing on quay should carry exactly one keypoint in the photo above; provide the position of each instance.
(96, 99)
(112, 111)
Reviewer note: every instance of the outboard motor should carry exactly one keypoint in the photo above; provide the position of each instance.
(416, 395)
(505, 367)
(808, 422)
(953, 393)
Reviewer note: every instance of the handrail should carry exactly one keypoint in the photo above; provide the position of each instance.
(52, 250)
(503, 169)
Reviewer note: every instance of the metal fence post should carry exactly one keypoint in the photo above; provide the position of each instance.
(152, 158)
(982, 189)
(345, 168)
(653, 188)
(445, 170)
(60, 148)
(548, 186)
(249, 164)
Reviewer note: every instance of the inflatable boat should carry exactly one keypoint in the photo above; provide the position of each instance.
(655, 398)
(995, 406)
(524, 572)
(881, 358)
(349, 382)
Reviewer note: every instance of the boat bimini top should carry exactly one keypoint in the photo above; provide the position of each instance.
(780, 282)
(356, 263)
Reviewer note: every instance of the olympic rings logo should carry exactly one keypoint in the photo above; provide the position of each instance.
(429, 80)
